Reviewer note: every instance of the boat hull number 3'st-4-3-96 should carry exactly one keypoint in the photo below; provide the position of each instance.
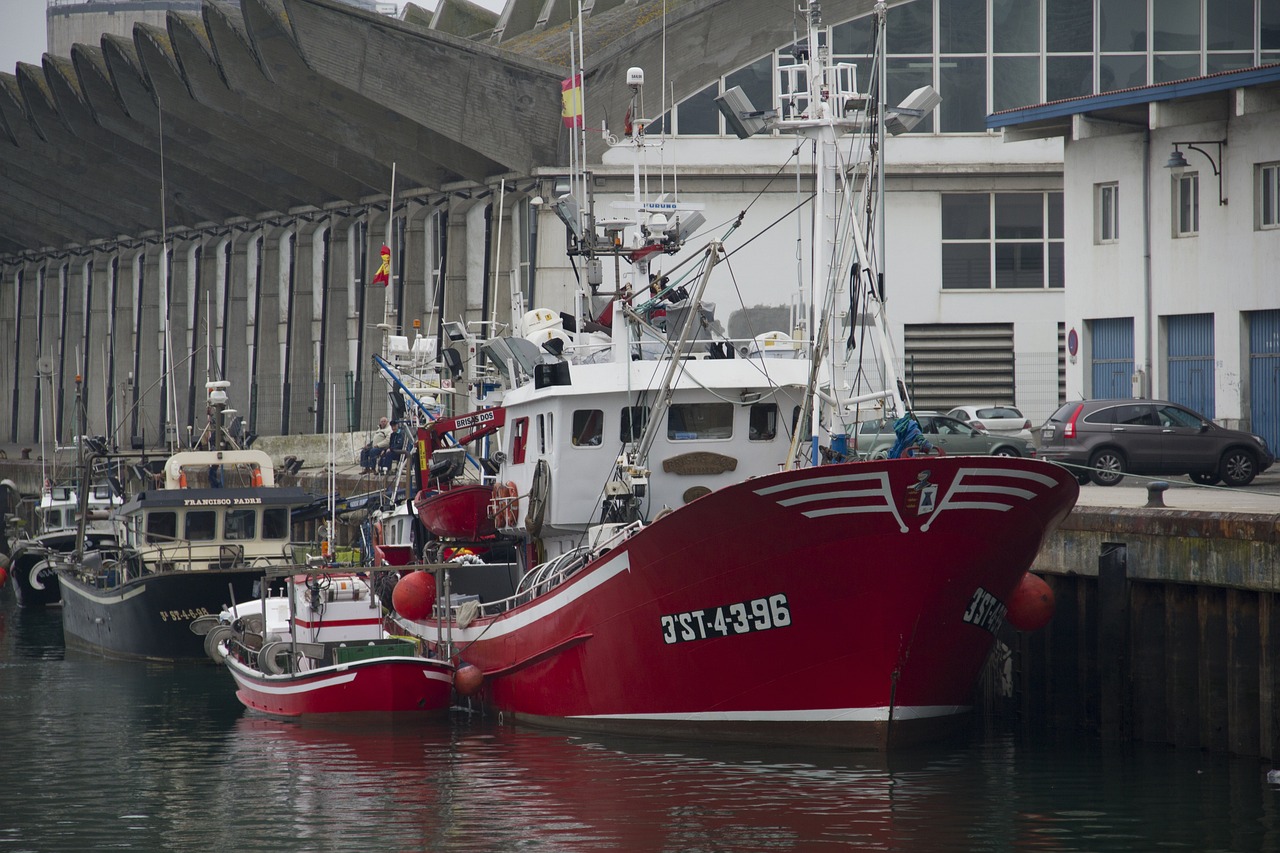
(758, 614)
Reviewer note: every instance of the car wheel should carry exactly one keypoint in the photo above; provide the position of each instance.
(1005, 451)
(1238, 467)
(1108, 467)
(1083, 479)
(1205, 479)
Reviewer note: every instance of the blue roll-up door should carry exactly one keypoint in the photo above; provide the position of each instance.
(1111, 354)
(1190, 361)
(1264, 375)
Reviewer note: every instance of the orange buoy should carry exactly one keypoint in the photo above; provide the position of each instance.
(414, 596)
(1031, 605)
(468, 679)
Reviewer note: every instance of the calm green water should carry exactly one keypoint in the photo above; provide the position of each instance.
(97, 755)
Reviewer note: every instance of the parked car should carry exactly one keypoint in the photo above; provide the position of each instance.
(997, 420)
(876, 437)
(1118, 437)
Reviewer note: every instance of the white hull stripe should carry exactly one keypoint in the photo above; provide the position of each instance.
(312, 684)
(501, 626)
(104, 599)
(815, 715)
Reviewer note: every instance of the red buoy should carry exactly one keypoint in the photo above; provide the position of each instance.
(414, 596)
(1031, 605)
(468, 679)
(4, 576)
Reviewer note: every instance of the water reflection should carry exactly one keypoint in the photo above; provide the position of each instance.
(101, 754)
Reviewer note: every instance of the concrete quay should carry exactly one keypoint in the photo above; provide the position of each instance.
(1167, 621)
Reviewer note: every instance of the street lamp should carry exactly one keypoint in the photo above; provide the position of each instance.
(1178, 161)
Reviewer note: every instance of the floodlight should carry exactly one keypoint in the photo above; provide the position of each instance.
(913, 108)
(739, 113)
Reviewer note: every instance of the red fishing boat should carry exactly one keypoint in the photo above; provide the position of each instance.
(717, 562)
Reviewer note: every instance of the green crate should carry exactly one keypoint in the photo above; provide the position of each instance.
(373, 649)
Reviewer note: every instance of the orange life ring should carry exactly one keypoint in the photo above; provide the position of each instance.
(255, 476)
(506, 501)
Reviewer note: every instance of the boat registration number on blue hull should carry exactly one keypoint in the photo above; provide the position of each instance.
(758, 614)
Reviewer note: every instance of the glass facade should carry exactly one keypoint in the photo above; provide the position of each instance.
(984, 56)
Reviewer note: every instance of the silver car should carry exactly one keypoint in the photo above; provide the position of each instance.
(875, 438)
(997, 420)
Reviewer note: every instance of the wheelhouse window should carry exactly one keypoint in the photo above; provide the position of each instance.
(588, 427)
(200, 525)
(544, 433)
(1269, 195)
(634, 420)
(519, 440)
(763, 422)
(162, 526)
(699, 421)
(240, 524)
(1186, 205)
(1106, 213)
(275, 523)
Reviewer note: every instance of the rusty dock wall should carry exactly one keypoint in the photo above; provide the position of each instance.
(1166, 630)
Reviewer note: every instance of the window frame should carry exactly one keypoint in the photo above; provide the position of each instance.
(1267, 191)
(1106, 212)
(1185, 216)
(989, 240)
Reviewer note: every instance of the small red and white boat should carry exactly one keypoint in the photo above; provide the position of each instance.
(320, 648)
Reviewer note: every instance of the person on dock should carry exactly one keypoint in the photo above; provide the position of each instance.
(379, 441)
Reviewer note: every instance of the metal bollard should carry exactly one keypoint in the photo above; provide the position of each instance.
(1155, 493)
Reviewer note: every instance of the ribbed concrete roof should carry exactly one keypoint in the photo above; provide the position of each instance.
(273, 106)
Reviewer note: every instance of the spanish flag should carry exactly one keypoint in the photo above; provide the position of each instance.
(383, 275)
(571, 98)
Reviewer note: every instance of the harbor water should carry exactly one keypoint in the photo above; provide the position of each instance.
(99, 755)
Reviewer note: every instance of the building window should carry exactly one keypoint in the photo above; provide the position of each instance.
(1269, 195)
(1186, 205)
(1107, 213)
(1002, 240)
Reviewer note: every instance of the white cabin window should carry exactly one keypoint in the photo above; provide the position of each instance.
(275, 523)
(200, 525)
(162, 526)
(588, 427)
(1186, 205)
(699, 421)
(241, 524)
(634, 420)
(544, 433)
(762, 422)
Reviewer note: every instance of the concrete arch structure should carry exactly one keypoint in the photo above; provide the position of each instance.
(258, 137)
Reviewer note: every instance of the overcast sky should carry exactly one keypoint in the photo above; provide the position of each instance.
(22, 30)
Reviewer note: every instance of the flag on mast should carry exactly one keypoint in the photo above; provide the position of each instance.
(571, 98)
(383, 275)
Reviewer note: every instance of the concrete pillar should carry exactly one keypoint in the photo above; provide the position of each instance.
(95, 349)
(273, 337)
(240, 322)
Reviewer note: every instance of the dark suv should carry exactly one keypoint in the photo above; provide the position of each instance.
(1115, 437)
